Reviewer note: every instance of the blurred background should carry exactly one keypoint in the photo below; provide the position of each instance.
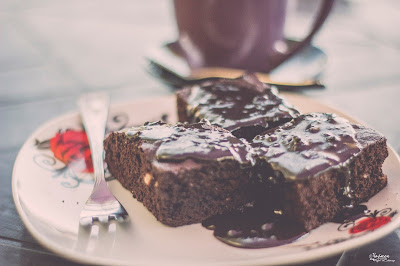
(58, 49)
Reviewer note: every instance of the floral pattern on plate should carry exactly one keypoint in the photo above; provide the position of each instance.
(357, 226)
(71, 158)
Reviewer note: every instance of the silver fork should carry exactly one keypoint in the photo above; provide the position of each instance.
(101, 206)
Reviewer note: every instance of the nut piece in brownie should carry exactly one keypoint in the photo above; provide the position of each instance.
(317, 164)
(182, 173)
(244, 106)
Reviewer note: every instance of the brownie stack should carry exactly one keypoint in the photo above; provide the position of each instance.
(306, 167)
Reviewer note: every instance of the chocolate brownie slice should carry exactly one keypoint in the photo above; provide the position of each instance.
(182, 173)
(317, 164)
(244, 106)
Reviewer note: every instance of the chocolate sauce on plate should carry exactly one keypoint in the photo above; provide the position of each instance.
(350, 213)
(253, 227)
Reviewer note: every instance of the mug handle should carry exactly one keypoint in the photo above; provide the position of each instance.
(320, 19)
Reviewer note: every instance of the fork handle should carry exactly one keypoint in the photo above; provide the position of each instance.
(94, 112)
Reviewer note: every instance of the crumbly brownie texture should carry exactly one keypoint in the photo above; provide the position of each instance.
(182, 173)
(316, 165)
(244, 106)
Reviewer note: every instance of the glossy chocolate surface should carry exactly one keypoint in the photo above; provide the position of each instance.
(243, 102)
(253, 227)
(308, 145)
(200, 142)
(350, 213)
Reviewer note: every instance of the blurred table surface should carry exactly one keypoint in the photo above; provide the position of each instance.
(52, 51)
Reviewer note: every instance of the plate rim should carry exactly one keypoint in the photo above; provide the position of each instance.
(300, 257)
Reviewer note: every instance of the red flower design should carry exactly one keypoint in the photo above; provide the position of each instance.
(72, 148)
(370, 223)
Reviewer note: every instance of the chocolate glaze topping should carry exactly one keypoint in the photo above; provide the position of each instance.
(200, 141)
(232, 104)
(308, 145)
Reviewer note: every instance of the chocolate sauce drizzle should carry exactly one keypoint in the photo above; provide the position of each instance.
(309, 145)
(232, 104)
(254, 227)
(200, 141)
(350, 213)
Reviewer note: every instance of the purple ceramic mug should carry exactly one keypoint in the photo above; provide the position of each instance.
(244, 34)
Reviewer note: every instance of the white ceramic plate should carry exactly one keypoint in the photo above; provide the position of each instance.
(50, 194)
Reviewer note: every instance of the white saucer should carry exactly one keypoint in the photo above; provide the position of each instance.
(307, 64)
